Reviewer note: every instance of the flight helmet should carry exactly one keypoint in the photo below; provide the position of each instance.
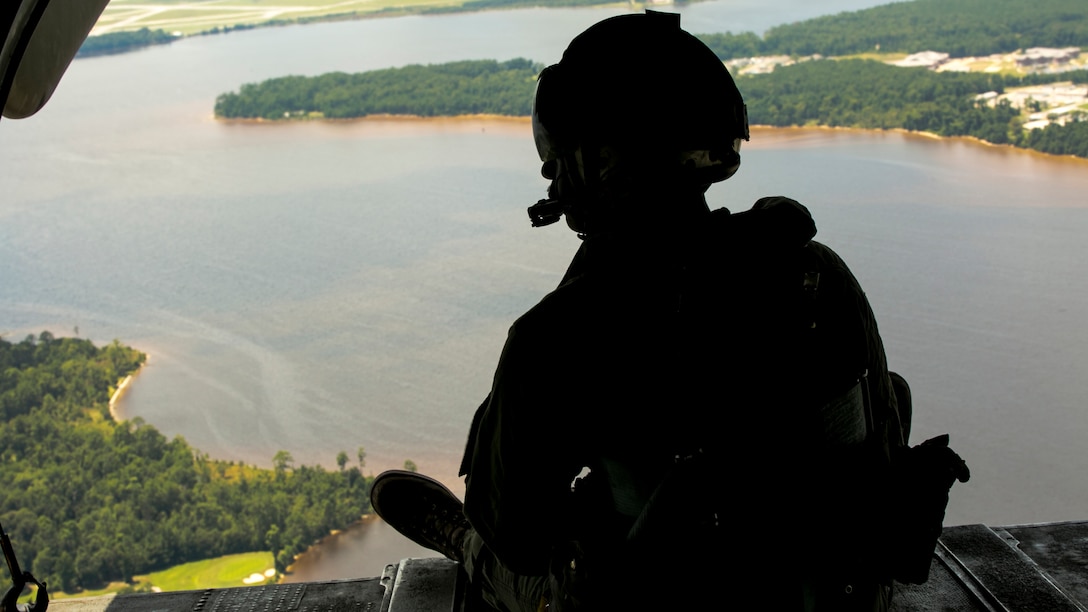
(641, 85)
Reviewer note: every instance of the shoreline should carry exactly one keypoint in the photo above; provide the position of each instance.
(122, 387)
(918, 134)
(365, 548)
(358, 523)
(522, 119)
(378, 117)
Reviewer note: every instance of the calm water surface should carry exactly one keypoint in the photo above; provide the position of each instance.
(319, 287)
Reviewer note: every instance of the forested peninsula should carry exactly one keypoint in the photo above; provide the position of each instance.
(957, 27)
(846, 91)
(119, 42)
(87, 500)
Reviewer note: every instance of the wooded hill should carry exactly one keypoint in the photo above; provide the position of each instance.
(872, 95)
(87, 500)
(960, 28)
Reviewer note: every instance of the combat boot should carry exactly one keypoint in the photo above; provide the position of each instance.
(421, 509)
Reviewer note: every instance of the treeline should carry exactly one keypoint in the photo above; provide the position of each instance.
(87, 500)
(846, 93)
(457, 88)
(119, 42)
(1071, 139)
(873, 95)
(960, 28)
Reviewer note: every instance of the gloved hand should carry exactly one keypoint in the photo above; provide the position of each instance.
(922, 478)
(936, 459)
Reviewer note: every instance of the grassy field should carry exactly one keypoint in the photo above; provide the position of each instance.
(222, 572)
(195, 16)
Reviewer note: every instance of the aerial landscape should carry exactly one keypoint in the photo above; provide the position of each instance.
(255, 293)
(1035, 78)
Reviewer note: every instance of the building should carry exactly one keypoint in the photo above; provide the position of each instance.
(924, 59)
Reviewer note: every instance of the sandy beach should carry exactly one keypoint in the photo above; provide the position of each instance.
(122, 387)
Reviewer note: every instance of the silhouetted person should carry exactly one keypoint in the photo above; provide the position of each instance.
(715, 382)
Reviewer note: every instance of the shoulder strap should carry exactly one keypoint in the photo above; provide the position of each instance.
(672, 500)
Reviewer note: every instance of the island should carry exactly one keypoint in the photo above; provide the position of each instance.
(910, 65)
(474, 87)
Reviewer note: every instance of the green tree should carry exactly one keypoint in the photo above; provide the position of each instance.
(88, 500)
(283, 461)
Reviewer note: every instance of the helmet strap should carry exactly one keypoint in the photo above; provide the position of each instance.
(592, 207)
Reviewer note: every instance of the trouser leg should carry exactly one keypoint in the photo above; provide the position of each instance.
(499, 587)
(836, 596)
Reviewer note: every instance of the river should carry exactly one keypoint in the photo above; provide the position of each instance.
(318, 287)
